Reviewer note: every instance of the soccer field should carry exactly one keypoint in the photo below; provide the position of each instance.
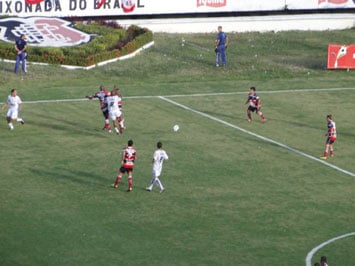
(237, 193)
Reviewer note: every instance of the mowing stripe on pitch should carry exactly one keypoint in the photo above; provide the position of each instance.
(199, 95)
(258, 136)
(314, 250)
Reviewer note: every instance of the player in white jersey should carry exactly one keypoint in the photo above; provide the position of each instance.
(14, 102)
(114, 110)
(159, 157)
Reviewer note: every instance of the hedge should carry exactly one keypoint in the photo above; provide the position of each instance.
(110, 41)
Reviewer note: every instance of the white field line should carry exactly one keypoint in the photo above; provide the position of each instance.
(314, 250)
(200, 95)
(259, 136)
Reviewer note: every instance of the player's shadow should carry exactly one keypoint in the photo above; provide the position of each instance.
(86, 178)
(68, 125)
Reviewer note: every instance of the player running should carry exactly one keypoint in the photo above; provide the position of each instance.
(102, 94)
(331, 138)
(15, 104)
(254, 105)
(129, 155)
(159, 157)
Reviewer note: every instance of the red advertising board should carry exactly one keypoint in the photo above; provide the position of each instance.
(341, 56)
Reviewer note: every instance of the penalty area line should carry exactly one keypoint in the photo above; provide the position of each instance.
(258, 136)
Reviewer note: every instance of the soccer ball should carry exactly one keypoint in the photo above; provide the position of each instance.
(176, 128)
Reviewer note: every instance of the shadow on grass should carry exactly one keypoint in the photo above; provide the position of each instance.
(83, 178)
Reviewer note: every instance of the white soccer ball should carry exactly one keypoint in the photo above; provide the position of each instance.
(176, 128)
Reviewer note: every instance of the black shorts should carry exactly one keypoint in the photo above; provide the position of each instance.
(105, 113)
(253, 108)
(125, 170)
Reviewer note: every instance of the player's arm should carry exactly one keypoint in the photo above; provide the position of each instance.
(227, 41)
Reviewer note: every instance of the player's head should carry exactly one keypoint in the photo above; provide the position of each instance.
(102, 87)
(329, 117)
(130, 142)
(13, 91)
(159, 145)
(219, 28)
(252, 89)
(323, 259)
(23, 36)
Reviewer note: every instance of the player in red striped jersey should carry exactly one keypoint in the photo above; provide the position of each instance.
(102, 94)
(331, 138)
(254, 104)
(129, 155)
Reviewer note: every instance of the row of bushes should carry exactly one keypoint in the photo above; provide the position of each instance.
(110, 41)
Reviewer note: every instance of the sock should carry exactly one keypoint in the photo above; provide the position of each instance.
(11, 126)
(331, 152)
(107, 123)
(262, 115)
(151, 183)
(157, 180)
(19, 119)
(130, 181)
(325, 154)
(118, 179)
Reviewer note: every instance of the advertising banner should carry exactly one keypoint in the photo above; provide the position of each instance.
(319, 4)
(341, 56)
(97, 8)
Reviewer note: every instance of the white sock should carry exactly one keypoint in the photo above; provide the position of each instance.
(11, 126)
(157, 180)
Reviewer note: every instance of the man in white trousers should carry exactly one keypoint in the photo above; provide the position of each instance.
(159, 157)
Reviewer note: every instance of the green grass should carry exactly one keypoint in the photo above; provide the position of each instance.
(231, 198)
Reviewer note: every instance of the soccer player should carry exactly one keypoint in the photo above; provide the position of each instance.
(129, 155)
(101, 95)
(15, 104)
(159, 157)
(114, 104)
(220, 47)
(254, 104)
(331, 138)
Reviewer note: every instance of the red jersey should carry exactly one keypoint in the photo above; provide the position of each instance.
(253, 100)
(129, 154)
(332, 132)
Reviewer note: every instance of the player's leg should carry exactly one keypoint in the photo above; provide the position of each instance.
(326, 150)
(331, 149)
(121, 124)
(118, 178)
(9, 118)
(261, 115)
(249, 114)
(107, 120)
(130, 180)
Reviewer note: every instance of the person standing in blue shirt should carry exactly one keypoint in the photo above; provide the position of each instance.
(21, 54)
(220, 47)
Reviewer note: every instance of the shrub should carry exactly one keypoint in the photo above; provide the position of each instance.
(110, 40)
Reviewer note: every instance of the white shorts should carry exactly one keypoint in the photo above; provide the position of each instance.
(115, 114)
(12, 113)
(156, 172)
